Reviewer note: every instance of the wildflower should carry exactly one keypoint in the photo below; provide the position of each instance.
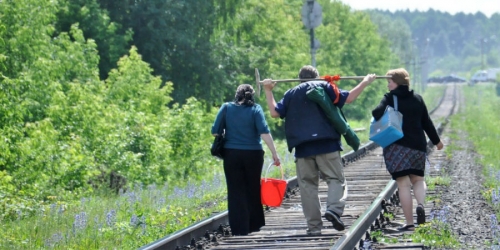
(160, 203)
(143, 224)
(111, 218)
(367, 245)
(132, 197)
(61, 209)
(80, 221)
(52, 241)
(152, 187)
(134, 221)
(48, 243)
(191, 191)
(178, 192)
(495, 230)
(53, 208)
(494, 196)
(440, 215)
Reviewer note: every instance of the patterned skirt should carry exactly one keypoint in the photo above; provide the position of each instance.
(402, 161)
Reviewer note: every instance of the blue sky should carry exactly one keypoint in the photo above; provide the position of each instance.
(487, 7)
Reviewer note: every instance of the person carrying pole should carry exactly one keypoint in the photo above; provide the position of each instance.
(317, 144)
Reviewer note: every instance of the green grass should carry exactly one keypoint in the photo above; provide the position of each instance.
(379, 235)
(433, 198)
(435, 234)
(389, 215)
(432, 181)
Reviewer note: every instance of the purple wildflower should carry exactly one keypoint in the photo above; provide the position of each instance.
(134, 221)
(53, 208)
(111, 218)
(80, 221)
(143, 224)
(495, 232)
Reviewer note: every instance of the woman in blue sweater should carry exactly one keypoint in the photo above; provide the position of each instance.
(245, 126)
(405, 158)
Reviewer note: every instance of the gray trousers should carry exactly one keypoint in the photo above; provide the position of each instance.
(332, 171)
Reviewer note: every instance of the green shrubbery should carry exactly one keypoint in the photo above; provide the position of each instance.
(65, 133)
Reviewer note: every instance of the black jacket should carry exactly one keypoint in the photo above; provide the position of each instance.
(416, 118)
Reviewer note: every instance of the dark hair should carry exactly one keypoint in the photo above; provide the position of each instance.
(245, 92)
(308, 71)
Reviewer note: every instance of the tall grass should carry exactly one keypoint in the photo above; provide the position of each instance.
(126, 221)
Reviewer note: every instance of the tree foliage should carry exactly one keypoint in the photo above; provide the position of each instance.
(445, 39)
(102, 95)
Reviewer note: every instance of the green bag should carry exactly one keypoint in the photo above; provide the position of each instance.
(334, 114)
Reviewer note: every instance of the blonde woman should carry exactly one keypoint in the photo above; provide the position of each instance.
(405, 158)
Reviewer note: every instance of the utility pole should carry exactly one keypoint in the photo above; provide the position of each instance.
(482, 54)
(425, 65)
(312, 17)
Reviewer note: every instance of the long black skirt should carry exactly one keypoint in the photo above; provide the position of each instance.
(243, 170)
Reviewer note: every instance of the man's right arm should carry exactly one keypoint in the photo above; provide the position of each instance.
(271, 102)
(356, 91)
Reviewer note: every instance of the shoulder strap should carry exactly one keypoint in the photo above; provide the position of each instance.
(222, 125)
(224, 115)
(395, 98)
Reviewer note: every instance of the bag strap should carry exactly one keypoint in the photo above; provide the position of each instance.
(222, 125)
(395, 98)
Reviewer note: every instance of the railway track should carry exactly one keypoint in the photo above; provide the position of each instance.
(370, 192)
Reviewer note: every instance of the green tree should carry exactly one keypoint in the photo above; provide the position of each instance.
(398, 33)
(351, 45)
(111, 38)
(174, 38)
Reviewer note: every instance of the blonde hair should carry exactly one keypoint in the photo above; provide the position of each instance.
(399, 76)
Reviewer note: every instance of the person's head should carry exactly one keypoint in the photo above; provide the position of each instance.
(245, 93)
(307, 72)
(399, 77)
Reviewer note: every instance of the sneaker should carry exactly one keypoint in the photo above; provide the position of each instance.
(334, 218)
(420, 214)
(313, 232)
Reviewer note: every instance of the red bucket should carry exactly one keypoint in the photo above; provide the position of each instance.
(272, 190)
